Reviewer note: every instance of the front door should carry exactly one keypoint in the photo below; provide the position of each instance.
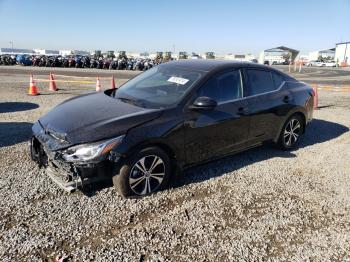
(215, 132)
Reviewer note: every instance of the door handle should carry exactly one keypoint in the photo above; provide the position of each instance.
(286, 99)
(243, 111)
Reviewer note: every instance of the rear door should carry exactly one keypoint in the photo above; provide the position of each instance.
(211, 133)
(267, 99)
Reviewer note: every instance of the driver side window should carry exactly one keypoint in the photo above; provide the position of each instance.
(223, 87)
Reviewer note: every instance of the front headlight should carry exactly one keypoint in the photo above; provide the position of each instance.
(87, 152)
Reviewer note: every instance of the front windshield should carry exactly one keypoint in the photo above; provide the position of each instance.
(161, 86)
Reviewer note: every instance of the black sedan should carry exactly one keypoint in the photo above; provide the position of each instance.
(167, 119)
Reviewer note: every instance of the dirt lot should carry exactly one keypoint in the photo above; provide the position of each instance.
(259, 205)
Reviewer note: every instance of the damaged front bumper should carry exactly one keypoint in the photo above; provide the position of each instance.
(67, 175)
(67, 181)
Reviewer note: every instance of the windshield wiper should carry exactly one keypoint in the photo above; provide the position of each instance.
(131, 101)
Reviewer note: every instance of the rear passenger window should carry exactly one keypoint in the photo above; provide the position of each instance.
(260, 81)
(277, 79)
(223, 87)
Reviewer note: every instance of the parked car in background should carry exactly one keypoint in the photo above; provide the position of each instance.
(280, 63)
(171, 117)
(25, 60)
(322, 63)
(316, 63)
(330, 64)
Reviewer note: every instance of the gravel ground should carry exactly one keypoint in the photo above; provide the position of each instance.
(259, 205)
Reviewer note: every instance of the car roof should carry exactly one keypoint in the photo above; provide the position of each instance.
(214, 65)
(211, 64)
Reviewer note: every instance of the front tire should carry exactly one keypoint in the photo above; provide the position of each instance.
(291, 132)
(144, 173)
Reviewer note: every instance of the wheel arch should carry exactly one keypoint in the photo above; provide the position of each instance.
(302, 115)
(299, 112)
(168, 149)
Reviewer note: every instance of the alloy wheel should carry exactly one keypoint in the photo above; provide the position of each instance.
(147, 175)
(291, 132)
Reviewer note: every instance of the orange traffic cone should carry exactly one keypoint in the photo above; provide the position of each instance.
(98, 85)
(33, 90)
(113, 83)
(53, 86)
(315, 97)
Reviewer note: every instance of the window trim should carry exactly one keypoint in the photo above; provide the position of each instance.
(264, 93)
(243, 75)
(272, 72)
(227, 71)
(242, 89)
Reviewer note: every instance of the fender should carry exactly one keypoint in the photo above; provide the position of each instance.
(166, 132)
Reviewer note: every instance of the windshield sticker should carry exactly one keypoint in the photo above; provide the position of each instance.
(178, 80)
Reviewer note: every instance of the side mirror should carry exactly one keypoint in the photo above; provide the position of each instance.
(204, 102)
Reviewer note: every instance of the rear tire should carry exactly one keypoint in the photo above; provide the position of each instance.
(143, 173)
(291, 132)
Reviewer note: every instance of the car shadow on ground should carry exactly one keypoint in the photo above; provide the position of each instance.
(318, 131)
(9, 107)
(12, 133)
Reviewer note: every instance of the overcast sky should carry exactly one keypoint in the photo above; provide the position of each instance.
(241, 26)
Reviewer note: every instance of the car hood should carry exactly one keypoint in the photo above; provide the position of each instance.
(94, 117)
